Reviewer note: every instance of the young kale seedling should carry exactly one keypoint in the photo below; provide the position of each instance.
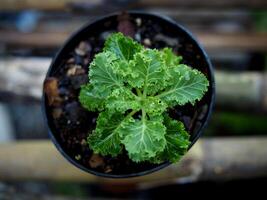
(133, 87)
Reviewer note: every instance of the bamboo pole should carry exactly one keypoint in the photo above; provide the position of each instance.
(211, 41)
(48, 5)
(39, 160)
(23, 77)
(242, 90)
(209, 159)
(51, 5)
(200, 19)
(204, 3)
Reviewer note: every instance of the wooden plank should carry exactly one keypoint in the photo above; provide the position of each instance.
(211, 41)
(204, 3)
(41, 161)
(200, 19)
(202, 14)
(209, 159)
(51, 5)
(234, 41)
(48, 5)
(33, 40)
(243, 91)
(23, 77)
(243, 157)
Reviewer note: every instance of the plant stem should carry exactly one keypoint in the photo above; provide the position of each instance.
(128, 116)
(139, 93)
(131, 113)
(144, 91)
(143, 115)
(163, 93)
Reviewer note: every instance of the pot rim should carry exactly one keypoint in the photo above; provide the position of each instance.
(163, 165)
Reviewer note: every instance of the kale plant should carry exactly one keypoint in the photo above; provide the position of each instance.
(132, 88)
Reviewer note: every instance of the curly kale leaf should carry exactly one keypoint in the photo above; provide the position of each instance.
(144, 138)
(105, 139)
(132, 87)
(177, 141)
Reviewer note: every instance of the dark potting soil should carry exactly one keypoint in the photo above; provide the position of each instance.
(73, 123)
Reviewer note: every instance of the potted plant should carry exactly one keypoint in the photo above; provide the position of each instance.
(128, 94)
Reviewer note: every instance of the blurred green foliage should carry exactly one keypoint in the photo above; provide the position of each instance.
(260, 20)
(69, 189)
(260, 24)
(236, 124)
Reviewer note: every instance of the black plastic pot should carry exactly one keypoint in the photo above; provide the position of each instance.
(193, 54)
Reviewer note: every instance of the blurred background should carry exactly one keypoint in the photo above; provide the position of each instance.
(230, 157)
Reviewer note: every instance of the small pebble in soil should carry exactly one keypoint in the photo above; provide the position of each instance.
(137, 37)
(51, 90)
(74, 111)
(75, 70)
(168, 40)
(78, 59)
(105, 35)
(70, 61)
(83, 142)
(94, 120)
(56, 113)
(71, 71)
(96, 161)
(80, 71)
(78, 157)
(147, 42)
(83, 48)
(107, 169)
(86, 46)
(78, 80)
(138, 21)
(79, 52)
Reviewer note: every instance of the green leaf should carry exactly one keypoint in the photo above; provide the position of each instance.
(143, 139)
(170, 58)
(186, 85)
(154, 106)
(122, 46)
(122, 100)
(177, 139)
(90, 98)
(148, 71)
(105, 139)
(177, 142)
(101, 74)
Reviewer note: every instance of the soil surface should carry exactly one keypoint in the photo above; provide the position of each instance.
(71, 123)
